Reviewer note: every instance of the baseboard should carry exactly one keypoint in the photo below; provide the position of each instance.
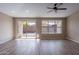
(70, 38)
(6, 40)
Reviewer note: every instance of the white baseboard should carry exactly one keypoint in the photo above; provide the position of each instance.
(5, 40)
(70, 38)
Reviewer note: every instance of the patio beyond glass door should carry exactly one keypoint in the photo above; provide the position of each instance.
(26, 29)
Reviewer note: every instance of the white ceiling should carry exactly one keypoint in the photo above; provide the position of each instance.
(36, 9)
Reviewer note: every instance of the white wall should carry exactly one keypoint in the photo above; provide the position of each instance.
(73, 27)
(6, 28)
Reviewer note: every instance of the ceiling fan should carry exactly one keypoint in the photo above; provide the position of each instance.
(56, 7)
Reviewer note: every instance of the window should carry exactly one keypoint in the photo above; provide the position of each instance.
(51, 26)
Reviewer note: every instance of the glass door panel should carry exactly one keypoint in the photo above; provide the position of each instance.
(26, 29)
(31, 29)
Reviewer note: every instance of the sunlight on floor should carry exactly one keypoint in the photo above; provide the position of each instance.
(28, 39)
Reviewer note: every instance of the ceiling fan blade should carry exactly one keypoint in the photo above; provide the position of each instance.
(50, 11)
(59, 4)
(61, 8)
(49, 8)
(55, 4)
(55, 11)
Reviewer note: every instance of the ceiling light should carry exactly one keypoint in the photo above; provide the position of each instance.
(12, 11)
(27, 11)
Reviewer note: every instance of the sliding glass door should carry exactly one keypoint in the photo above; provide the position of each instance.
(26, 29)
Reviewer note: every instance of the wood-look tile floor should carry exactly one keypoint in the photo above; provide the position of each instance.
(42, 47)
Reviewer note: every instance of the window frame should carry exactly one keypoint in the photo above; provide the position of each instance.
(54, 21)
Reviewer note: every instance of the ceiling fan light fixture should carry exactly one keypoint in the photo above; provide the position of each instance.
(56, 7)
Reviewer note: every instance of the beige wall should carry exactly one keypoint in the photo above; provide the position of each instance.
(73, 27)
(6, 28)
